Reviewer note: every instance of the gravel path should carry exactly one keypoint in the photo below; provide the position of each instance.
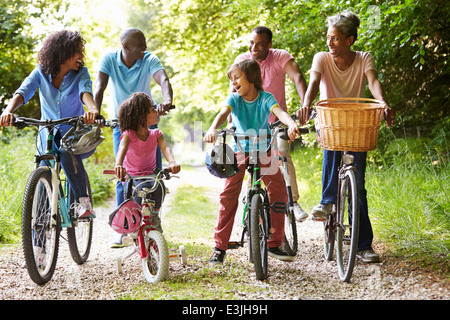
(308, 277)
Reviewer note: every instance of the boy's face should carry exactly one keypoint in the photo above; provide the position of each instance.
(241, 84)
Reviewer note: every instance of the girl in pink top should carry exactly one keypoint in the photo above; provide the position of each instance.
(137, 149)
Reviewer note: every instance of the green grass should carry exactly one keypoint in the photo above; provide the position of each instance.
(408, 196)
(16, 163)
(410, 203)
(18, 148)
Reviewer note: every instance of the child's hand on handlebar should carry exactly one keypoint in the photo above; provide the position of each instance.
(174, 167)
(120, 171)
(293, 132)
(210, 135)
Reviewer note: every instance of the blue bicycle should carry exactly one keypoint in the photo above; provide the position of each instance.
(48, 206)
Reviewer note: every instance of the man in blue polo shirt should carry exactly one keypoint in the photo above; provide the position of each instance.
(130, 70)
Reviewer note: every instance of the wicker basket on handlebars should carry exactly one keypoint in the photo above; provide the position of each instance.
(349, 124)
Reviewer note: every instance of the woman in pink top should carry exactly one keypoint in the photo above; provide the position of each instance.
(339, 73)
(137, 148)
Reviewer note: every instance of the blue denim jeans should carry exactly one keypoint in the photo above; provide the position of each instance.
(116, 141)
(75, 175)
(330, 167)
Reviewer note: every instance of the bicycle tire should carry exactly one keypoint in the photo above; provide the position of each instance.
(290, 243)
(348, 226)
(258, 236)
(156, 265)
(329, 237)
(79, 235)
(40, 238)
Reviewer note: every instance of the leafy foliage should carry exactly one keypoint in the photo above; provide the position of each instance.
(409, 40)
(17, 45)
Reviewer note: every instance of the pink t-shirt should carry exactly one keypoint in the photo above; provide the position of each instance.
(273, 74)
(140, 159)
(336, 83)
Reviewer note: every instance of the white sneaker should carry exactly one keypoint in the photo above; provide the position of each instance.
(84, 208)
(300, 214)
(321, 211)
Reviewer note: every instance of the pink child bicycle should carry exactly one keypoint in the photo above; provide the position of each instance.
(147, 235)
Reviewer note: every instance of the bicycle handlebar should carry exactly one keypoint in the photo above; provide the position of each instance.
(112, 123)
(164, 172)
(282, 126)
(243, 136)
(22, 122)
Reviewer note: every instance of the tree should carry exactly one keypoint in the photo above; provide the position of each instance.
(17, 46)
(409, 40)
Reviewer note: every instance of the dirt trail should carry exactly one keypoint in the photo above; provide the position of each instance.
(308, 277)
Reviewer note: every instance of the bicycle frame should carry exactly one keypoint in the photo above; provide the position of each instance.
(64, 201)
(147, 204)
(47, 206)
(254, 170)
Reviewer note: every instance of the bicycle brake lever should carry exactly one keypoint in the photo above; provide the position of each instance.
(19, 123)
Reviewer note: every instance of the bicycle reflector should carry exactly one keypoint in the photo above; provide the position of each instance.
(221, 161)
(127, 218)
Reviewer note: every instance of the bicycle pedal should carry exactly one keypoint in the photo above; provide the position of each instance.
(234, 245)
(318, 219)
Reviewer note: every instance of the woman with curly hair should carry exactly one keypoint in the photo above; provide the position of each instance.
(137, 149)
(64, 86)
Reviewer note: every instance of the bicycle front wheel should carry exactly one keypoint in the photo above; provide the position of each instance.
(258, 236)
(40, 231)
(156, 265)
(290, 243)
(79, 235)
(348, 226)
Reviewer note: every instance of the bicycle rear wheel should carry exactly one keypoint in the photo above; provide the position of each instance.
(258, 236)
(79, 235)
(348, 226)
(40, 231)
(156, 265)
(290, 243)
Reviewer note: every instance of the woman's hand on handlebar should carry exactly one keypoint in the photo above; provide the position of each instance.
(389, 115)
(6, 119)
(89, 117)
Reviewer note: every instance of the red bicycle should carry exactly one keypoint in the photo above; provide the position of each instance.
(149, 240)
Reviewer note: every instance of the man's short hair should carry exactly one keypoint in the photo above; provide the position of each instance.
(262, 29)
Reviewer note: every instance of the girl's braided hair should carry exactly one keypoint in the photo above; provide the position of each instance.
(133, 111)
